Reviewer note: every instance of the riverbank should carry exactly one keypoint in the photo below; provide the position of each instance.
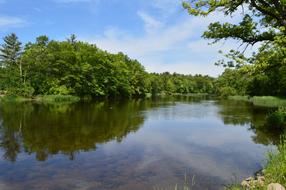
(273, 173)
(266, 101)
(73, 99)
(44, 98)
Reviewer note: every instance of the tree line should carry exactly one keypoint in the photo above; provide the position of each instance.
(72, 67)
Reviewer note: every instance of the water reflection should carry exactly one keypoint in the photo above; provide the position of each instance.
(51, 129)
(131, 144)
(239, 113)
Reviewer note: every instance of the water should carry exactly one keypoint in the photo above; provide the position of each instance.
(134, 144)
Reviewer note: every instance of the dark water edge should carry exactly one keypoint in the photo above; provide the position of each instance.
(132, 144)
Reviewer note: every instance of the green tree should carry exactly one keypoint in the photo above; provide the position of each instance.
(264, 22)
(11, 63)
(267, 13)
(10, 51)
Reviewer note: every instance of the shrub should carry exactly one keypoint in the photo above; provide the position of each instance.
(60, 90)
(59, 98)
(24, 91)
(277, 118)
(227, 91)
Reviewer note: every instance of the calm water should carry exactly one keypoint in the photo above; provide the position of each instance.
(130, 145)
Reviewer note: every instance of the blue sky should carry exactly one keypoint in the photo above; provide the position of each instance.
(158, 33)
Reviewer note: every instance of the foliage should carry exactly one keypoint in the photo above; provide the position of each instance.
(13, 98)
(277, 119)
(264, 101)
(268, 101)
(58, 98)
(24, 91)
(227, 91)
(10, 50)
(167, 83)
(240, 98)
(275, 170)
(266, 76)
(232, 82)
(263, 22)
(80, 69)
(257, 13)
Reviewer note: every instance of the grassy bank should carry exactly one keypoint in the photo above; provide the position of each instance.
(266, 101)
(58, 98)
(240, 98)
(14, 99)
(275, 170)
(44, 98)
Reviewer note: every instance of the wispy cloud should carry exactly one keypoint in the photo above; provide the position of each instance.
(170, 39)
(7, 22)
(2, 1)
(174, 47)
(151, 24)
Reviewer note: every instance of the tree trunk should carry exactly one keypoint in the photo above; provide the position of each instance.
(21, 74)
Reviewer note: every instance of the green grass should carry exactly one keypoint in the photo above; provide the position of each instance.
(275, 171)
(268, 101)
(45, 98)
(265, 101)
(13, 99)
(58, 98)
(240, 98)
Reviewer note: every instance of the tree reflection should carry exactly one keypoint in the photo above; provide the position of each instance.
(67, 129)
(51, 129)
(243, 113)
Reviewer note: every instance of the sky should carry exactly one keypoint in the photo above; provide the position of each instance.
(158, 33)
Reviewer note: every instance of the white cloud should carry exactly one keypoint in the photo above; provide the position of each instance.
(151, 24)
(163, 40)
(184, 68)
(167, 38)
(6, 22)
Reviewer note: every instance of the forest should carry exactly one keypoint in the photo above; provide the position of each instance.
(71, 67)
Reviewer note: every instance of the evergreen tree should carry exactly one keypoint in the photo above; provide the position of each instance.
(10, 53)
(10, 50)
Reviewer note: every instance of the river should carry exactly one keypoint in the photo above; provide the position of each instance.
(131, 144)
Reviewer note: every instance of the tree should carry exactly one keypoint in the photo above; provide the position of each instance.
(11, 52)
(268, 14)
(263, 21)
(72, 39)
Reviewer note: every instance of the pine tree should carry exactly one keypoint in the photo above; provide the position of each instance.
(10, 53)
